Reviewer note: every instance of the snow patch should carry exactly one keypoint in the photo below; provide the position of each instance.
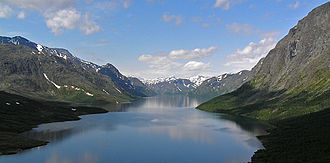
(158, 80)
(40, 48)
(89, 94)
(155, 120)
(57, 86)
(106, 92)
(118, 90)
(198, 80)
(220, 78)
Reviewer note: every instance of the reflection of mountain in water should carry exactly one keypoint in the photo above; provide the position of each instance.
(157, 119)
(253, 126)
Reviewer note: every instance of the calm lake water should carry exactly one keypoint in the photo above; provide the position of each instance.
(155, 129)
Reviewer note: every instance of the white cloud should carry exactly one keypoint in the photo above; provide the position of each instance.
(62, 19)
(176, 62)
(5, 11)
(294, 6)
(69, 19)
(168, 18)
(40, 4)
(270, 34)
(159, 64)
(241, 29)
(224, 4)
(247, 29)
(59, 14)
(88, 26)
(115, 3)
(21, 15)
(193, 54)
(194, 65)
(251, 54)
(126, 4)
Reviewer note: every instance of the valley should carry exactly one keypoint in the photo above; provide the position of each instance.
(265, 102)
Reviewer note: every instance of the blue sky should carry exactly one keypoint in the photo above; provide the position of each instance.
(158, 38)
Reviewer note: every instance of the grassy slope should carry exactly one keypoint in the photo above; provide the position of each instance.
(17, 118)
(290, 89)
(310, 94)
(299, 139)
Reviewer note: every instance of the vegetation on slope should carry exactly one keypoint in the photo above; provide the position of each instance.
(19, 114)
(290, 89)
(299, 139)
(293, 79)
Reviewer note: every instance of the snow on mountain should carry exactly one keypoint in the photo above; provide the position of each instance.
(198, 80)
(39, 47)
(159, 80)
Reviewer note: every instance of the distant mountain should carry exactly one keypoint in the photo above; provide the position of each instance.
(199, 85)
(170, 85)
(292, 80)
(141, 87)
(134, 87)
(52, 73)
(222, 84)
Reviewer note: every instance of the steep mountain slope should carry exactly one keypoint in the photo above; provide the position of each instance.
(221, 84)
(141, 87)
(293, 79)
(37, 71)
(122, 81)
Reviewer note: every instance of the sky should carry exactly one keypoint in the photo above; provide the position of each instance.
(158, 38)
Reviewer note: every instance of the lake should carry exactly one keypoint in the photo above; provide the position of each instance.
(154, 129)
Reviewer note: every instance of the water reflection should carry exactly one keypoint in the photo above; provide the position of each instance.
(87, 157)
(154, 129)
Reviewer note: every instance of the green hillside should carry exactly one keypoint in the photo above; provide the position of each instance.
(292, 80)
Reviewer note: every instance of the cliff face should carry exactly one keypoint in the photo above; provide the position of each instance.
(293, 79)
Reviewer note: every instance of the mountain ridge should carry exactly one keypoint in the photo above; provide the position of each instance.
(38, 71)
(206, 87)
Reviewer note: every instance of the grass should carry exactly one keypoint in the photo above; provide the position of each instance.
(299, 139)
(271, 106)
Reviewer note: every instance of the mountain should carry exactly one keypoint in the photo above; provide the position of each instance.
(38, 71)
(170, 85)
(141, 87)
(123, 81)
(292, 80)
(198, 80)
(207, 87)
(221, 84)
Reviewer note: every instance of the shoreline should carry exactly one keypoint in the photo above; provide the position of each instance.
(298, 139)
(20, 114)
